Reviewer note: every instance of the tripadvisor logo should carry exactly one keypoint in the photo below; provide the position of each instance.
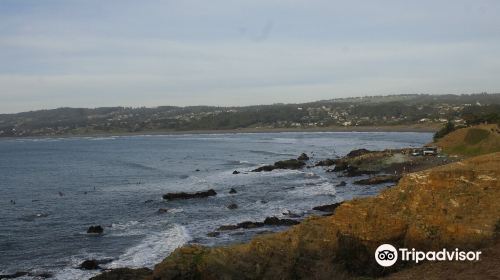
(387, 255)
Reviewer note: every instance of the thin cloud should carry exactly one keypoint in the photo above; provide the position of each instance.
(94, 53)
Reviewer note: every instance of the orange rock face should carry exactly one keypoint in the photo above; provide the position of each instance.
(455, 205)
(452, 206)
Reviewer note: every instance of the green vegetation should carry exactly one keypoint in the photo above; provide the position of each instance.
(482, 114)
(471, 141)
(449, 127)
(476, 135)
(426, 110)
(464, 150)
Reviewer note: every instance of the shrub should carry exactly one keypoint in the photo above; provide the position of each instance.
(449, 127)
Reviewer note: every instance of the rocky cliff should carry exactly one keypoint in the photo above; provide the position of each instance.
(454, 205)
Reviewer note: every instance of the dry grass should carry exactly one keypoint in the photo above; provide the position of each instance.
(471, 141)
(454, 205)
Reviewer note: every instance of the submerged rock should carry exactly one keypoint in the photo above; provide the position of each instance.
(265, 168)
(269, 221)
(358, 152)
(40, 275)
(341, 184)
(452, 206)
(325, 162)
(379, 180)
(232, 206)
(340, 165)
(292, 214)
(183, 195)
(229, 227)
(13, 275)
(328, 207)
(303, 157)
(274, 221)
(95, 230)
(89, 265)
(232, 191)
(162, 211)
(353, 171)
(282, 164)
(289, 164)
(236, 172)
(213, 234)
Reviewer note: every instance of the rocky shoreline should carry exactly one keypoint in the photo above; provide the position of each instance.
(388, 166)
(455, 205)
(348, 230)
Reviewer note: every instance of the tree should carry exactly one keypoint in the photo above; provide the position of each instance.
(449, 127)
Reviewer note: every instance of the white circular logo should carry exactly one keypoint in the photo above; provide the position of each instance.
(386, 255)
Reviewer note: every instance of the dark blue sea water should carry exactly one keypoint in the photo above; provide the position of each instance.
(62, 186)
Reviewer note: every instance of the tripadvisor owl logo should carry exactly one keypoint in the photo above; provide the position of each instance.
(387, 255)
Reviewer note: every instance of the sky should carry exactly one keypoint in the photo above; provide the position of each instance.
(95, 53)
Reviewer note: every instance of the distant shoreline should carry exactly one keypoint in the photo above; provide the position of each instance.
(389, 128)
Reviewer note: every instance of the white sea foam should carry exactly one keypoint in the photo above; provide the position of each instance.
(175, 210)
(153, 248)
(123, 226)
(325, 188)
(73, 274)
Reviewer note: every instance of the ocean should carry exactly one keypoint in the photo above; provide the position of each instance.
(53, 189)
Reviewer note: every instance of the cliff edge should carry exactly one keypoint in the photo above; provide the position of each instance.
(454, 205)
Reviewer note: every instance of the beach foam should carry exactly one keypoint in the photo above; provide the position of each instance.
(153, 248)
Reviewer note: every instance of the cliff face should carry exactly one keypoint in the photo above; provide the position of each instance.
(455, 205)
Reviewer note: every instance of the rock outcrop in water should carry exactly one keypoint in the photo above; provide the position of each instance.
(19, 274)
(285, 164)
(162, 211)
(325, 162)
(341, 184)
(328, 207)
(282, 164)
(269, 221)
(395, 161)
(183, 195)
(303, 157)
(379, 180)
(89, 265)
(95, 230)
(13, 275)
(452, 206)
(232, 206)
(358, 152)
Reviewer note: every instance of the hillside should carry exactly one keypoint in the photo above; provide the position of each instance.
(428, 111)
(454, 205)
(470, 141)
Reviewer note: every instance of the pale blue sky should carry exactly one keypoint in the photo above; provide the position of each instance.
(93, 53)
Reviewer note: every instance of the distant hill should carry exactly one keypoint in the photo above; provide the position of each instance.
(402, 110)
(471, 141)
